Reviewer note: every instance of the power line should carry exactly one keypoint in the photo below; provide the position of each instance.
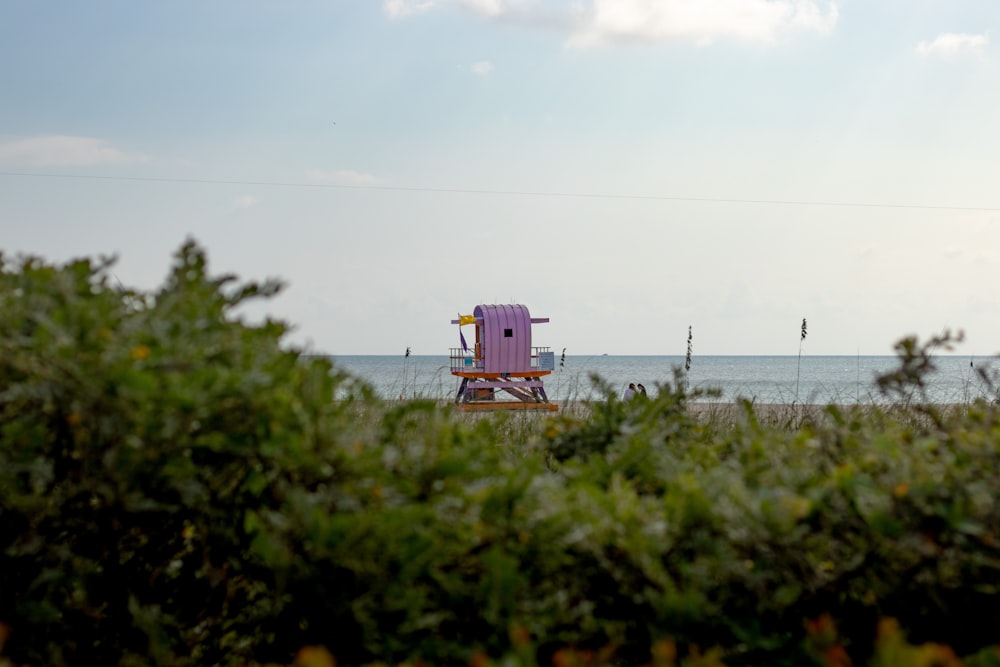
(520, 193)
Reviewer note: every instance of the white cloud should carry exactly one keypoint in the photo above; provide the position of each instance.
(593, 23)
(342, 177)
(952, 45)
(397, 9)
(700, 21)
(488, 7)
(63, 151)
(482, 68)
(246, 201)
(403, 8)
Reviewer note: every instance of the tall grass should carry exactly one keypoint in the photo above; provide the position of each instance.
(798, 368)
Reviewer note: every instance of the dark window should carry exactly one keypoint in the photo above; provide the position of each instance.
(508, 333)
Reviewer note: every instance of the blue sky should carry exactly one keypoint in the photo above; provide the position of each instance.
(627, 168)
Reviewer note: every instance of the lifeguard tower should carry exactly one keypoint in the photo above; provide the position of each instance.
(501, 370)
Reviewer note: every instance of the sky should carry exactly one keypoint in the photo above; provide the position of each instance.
(626, 168)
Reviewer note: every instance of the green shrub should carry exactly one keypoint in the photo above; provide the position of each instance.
(142, 436)
(178, 487)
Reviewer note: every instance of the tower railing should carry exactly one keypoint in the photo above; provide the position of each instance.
(465, 360)
(542, 358)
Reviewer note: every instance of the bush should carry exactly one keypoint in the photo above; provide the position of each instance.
(179, 488)
(143, 438)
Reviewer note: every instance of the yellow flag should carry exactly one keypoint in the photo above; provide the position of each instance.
(466, 319)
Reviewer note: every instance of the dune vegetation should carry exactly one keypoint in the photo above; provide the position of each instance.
(179, 487)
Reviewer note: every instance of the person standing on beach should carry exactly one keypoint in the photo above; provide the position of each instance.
(642, 390)
(630, 392)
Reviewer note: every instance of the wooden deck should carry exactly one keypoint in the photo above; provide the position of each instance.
(479, 375)
(505, 405)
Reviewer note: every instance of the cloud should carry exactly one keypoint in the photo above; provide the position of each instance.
(247, 201)
(63, 151)
(344, 177)
(950, 46)
(397, 9)
(595, 23)
(402, 8)
(700, 21)
(489, 7)
(482, 68)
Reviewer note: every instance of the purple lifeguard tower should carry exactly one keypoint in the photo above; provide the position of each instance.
(501, 363)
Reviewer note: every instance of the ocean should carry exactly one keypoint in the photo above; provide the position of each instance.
(761, 379)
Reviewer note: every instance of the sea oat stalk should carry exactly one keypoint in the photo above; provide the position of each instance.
(798, 369)
(687, 358)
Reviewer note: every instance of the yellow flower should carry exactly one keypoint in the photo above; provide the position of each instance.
(479, 659)
(888, 630)
(140, 352)
(901, 490)
(520, 636)
(822, 626)
(664, 653)
(314, 656)
(797, 506)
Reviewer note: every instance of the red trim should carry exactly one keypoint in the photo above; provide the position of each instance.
(497, 376)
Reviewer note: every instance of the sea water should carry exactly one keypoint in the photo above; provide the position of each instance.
(761, 379)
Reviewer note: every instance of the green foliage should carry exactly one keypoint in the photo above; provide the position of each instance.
(916, 362)
(141, 435)
(179, 488)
